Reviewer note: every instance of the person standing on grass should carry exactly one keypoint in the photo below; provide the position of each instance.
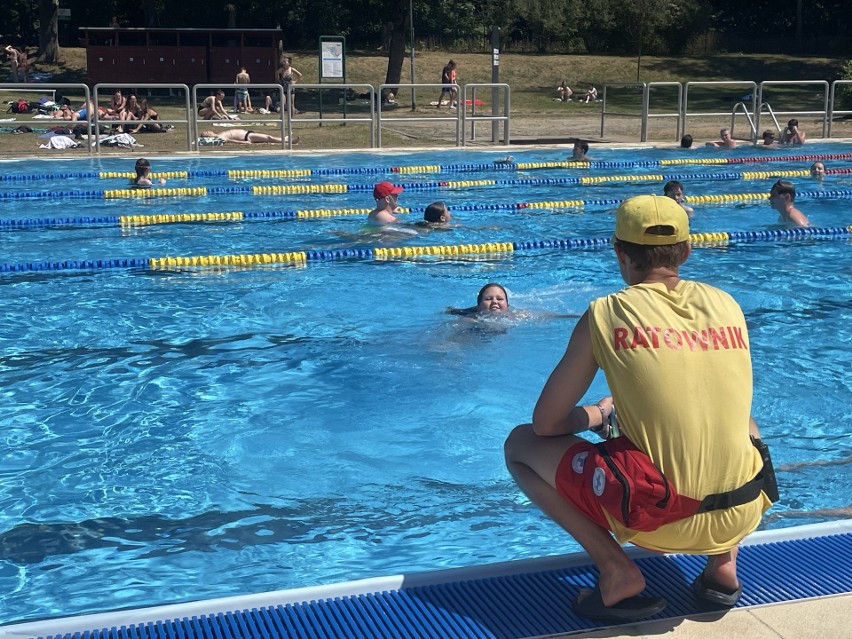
(14, 61)
(242, 96)
(684, 471)
(448, 80)
(286, 76)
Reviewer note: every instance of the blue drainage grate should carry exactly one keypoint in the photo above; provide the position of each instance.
(509, 606)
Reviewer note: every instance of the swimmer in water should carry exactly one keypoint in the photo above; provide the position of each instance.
(818, 171)
(674, 190)
(387, 197)
(492, 298)
(143, 174)
(435, 216)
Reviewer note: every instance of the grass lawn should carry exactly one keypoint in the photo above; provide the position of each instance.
(533, 80)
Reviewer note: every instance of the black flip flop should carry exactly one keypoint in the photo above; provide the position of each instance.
(625, 611)
(712, 593)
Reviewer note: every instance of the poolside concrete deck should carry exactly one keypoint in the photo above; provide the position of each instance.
(804, 571)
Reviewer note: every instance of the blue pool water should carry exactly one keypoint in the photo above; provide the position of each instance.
(191, 433)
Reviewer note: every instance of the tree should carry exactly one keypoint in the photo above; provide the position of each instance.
(48, 36)
(396, 52)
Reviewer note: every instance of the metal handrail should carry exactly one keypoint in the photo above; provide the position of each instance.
(457, 118)
(730, 83)
(345, 119)
(113, 86)
(765, 106)
(605, 112)
(645, 113)
(833, 112)
(283, 121)
(741, 106)
(473, 118)
(646, 107)
(825, 91)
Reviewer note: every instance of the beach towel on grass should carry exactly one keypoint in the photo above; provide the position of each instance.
(60, 142)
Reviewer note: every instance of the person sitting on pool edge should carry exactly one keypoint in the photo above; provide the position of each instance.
(674, 190)
(492, 298)
(387, 198)
(244, 136)
(684, 419)
(818, 171)
(143, 175)
(781, 198)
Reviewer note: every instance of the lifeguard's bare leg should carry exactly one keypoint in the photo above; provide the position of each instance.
(532, 460)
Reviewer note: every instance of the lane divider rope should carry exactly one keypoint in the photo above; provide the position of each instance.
(496, 248)
(437, 168)
(308, 189)
(239, 216)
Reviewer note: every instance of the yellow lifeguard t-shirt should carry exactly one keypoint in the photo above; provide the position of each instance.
(679, 369)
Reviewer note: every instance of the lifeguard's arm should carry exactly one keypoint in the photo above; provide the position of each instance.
(556, 411)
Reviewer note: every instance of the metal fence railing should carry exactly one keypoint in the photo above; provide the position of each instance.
(496, 117)
(128, 123)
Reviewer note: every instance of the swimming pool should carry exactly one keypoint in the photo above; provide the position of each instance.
(184, 433)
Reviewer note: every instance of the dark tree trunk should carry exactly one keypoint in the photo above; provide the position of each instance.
(396, 51)
(48, 36)
(150, 9)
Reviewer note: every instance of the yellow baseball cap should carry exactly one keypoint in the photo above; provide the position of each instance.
(654, 220)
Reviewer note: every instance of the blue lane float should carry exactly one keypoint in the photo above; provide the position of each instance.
(480, 166)
(371, 253)
(517, 207)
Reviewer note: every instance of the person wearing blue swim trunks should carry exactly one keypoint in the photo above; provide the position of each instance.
(242, 97)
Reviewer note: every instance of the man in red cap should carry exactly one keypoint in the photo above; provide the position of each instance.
(386, 196)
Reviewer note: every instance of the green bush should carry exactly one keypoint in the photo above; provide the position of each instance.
(844, 91)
